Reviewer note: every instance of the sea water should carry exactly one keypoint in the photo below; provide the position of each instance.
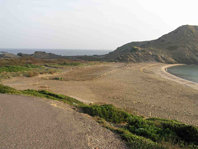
(63, 52)
(188, 72)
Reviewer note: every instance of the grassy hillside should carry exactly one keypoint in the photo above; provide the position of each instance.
(178, 46)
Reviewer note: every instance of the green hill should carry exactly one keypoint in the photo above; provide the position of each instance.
(178, 46)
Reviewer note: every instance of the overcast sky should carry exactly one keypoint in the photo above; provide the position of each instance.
(90, 24)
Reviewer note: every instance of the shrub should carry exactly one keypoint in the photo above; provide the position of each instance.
(57, 78)
(50, 94)
(17, 68)
(8, 90)
(107, 112)
(137, 142)
(148, 129)
(70, 63)
(186, 132)
(31, 74)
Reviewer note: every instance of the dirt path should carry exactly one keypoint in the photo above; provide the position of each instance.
(27, 122)
(138, 88)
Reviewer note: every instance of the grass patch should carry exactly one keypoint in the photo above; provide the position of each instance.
(65, 64)
(132, 140)
(136, 131)
(58, 78)
(27, 70)
(29, 67)
(42, 94)
(70, 64)
(152, 132)
(8, 90)
(107, 112)
(17, 68)
(137, 142)
(186, 133)
(50, 95)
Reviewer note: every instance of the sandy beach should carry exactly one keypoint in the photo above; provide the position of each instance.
(144, 88)
(172, 77)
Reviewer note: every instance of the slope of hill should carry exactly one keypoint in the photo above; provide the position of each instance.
(178, 46)
(41, 55)
(7, 55)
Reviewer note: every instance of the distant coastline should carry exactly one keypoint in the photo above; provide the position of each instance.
(62, 52)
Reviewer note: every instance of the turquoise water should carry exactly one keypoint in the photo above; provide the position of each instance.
(188, 72)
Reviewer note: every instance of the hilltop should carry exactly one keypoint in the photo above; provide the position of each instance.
(178, 46)
(41, 55)
(7, 55)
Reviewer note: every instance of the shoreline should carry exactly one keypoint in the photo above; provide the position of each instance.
(143, 89)
(169, 76)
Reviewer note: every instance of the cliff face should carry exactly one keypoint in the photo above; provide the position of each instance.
(178, 46)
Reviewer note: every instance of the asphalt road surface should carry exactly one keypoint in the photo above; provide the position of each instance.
(33, 123)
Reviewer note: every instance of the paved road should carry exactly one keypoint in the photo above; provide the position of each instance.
(33, 123)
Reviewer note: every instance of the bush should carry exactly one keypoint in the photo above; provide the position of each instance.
(186, 132)
(148, 129)
(31, 74)
(50, 94)
(17, 68)
(157, 130)
(70, 63)
(8, 90)
(58, 78)
(107, 112)
(137, 142)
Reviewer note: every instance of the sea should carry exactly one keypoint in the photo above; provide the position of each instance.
(188, 72)
(63, 52)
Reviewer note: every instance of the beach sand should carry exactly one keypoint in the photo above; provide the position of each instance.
(172, 77)
(145, 89)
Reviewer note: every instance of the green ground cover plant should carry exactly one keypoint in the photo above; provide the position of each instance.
(30, 67)
(17, 68)
(70, 64)
(58, 78)
(27, 70)
(136, 131)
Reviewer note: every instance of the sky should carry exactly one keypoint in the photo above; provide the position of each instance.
(90, 24)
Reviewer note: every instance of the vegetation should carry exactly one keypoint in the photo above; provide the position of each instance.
(178, 46)
(70, 63)
(42, 94)
(50, 95)
(138, 132)
(30, 67)
(57, 78)
(17, 68)
(14, 71)
(149, 132)
(107, 112)
(135, 141)
(8, 90)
